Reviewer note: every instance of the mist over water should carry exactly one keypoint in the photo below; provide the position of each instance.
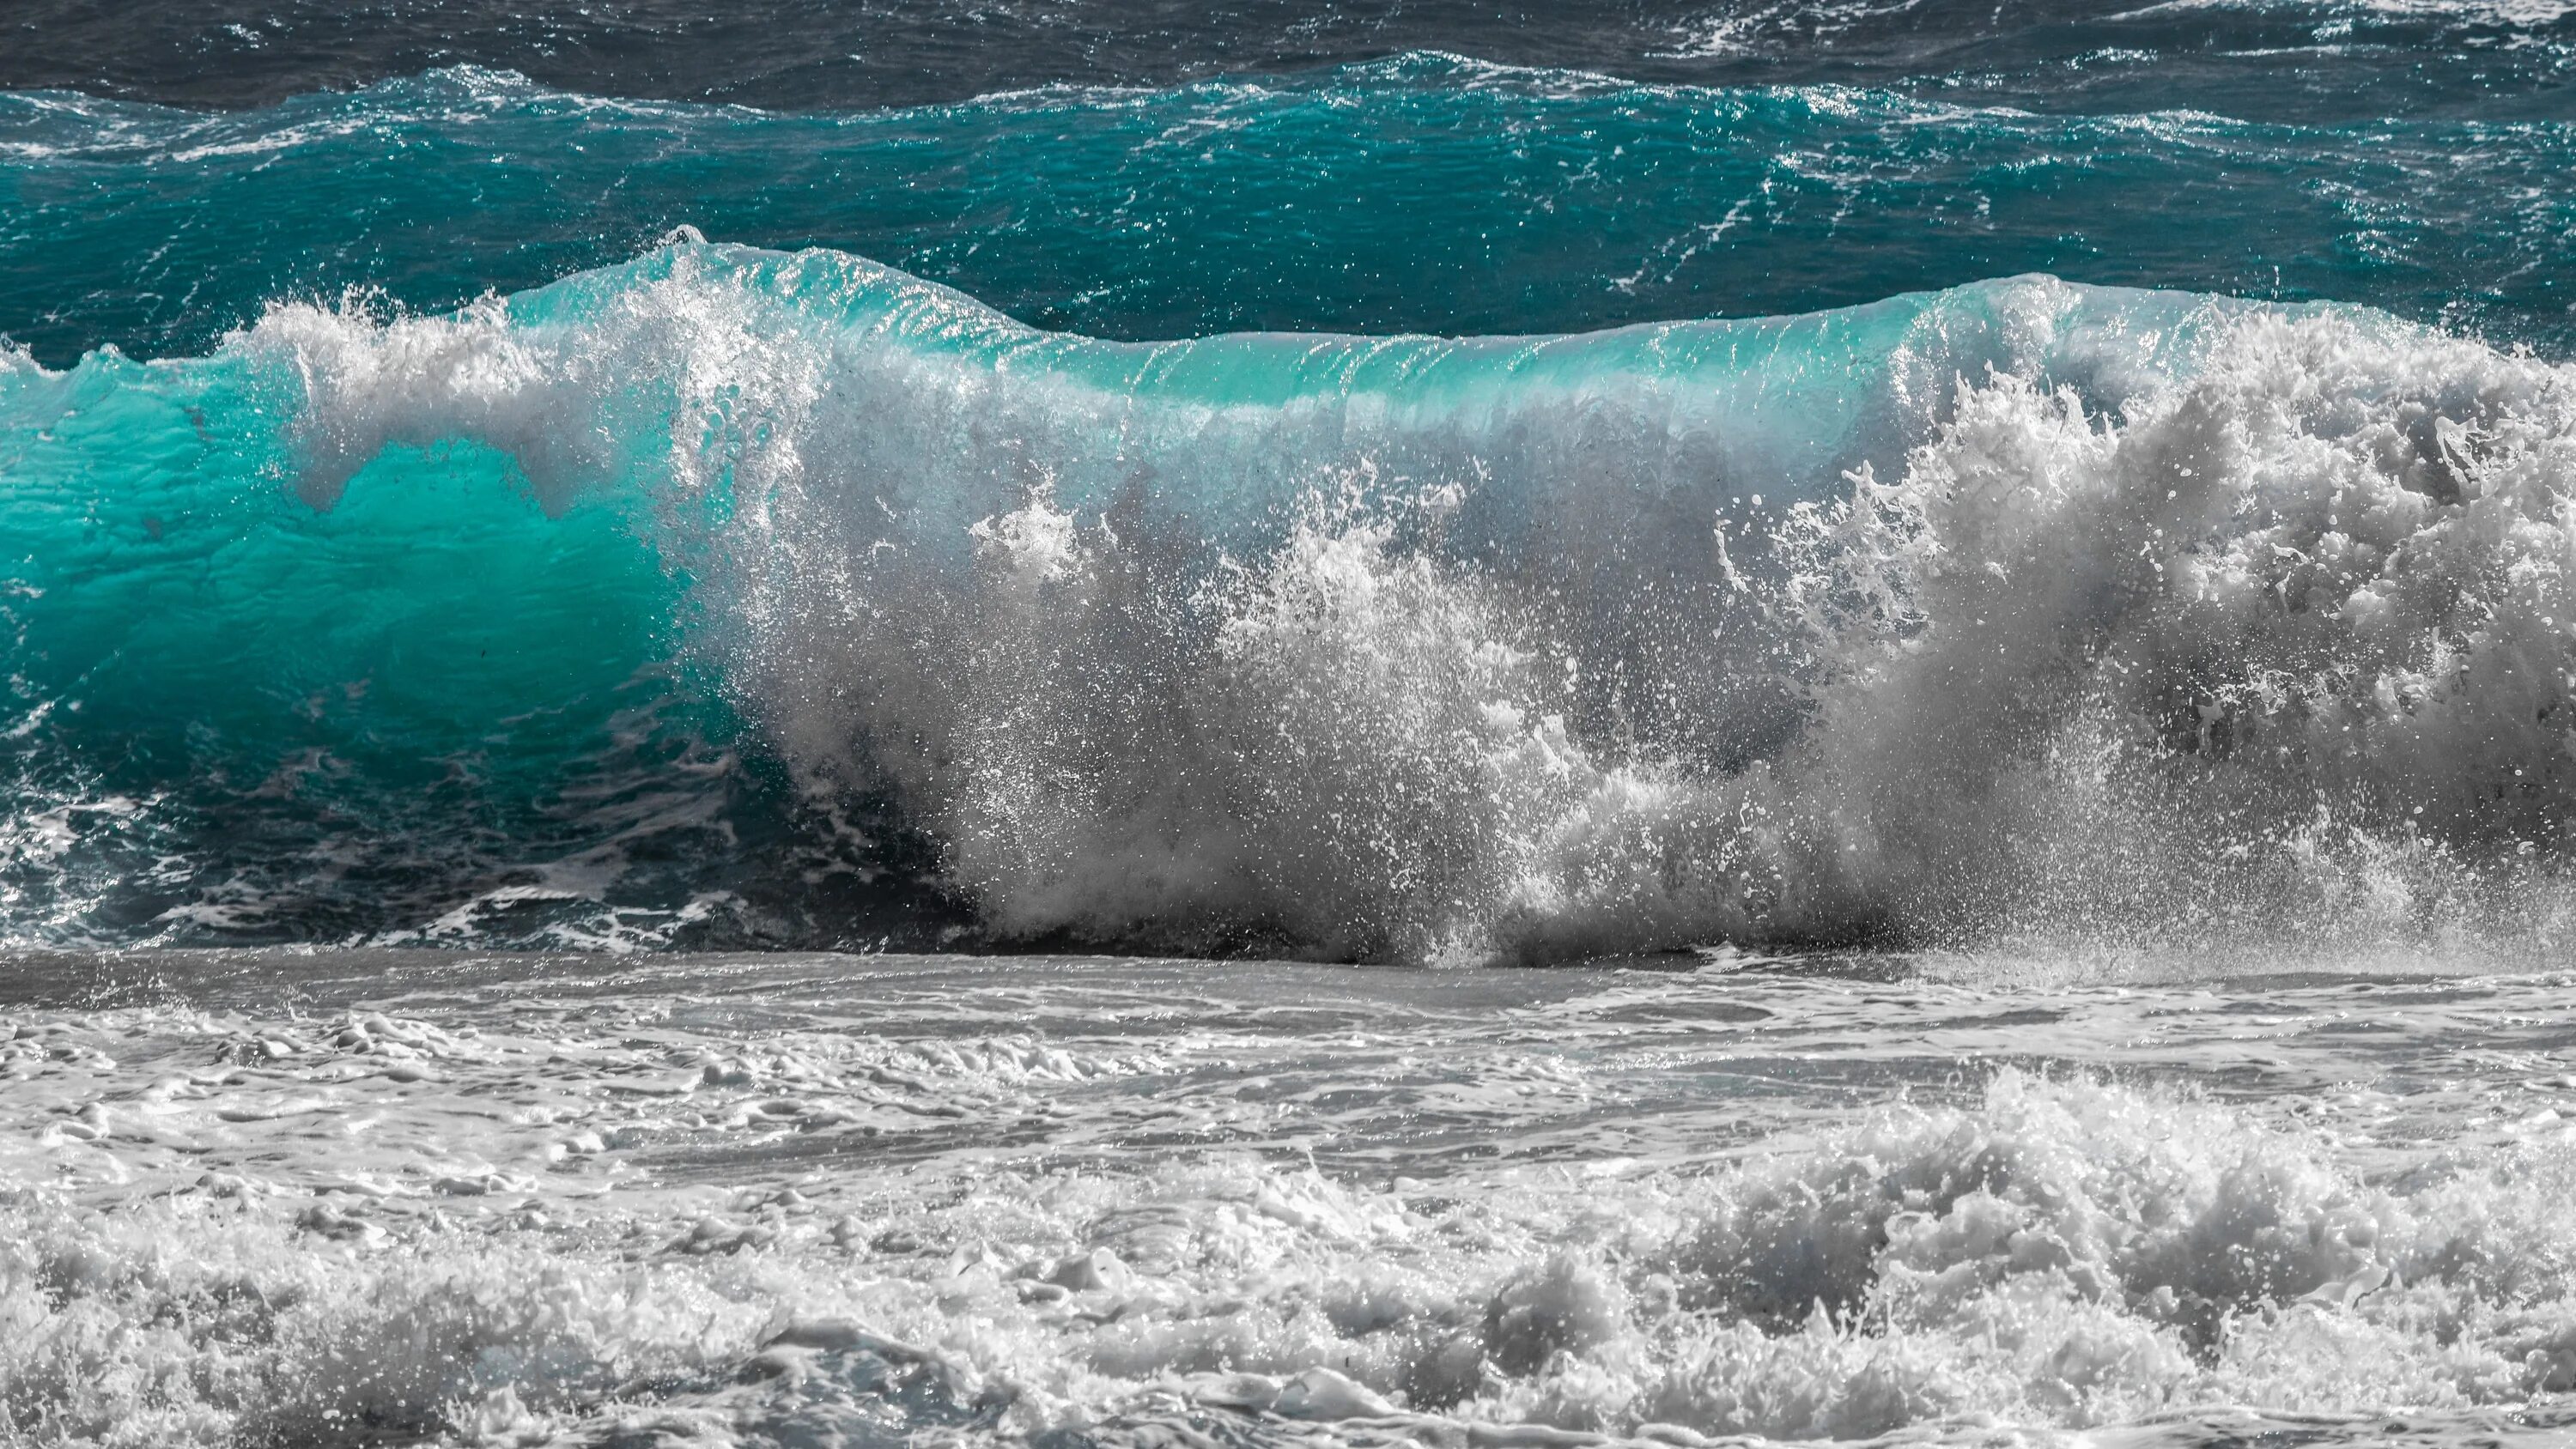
(1985, 588)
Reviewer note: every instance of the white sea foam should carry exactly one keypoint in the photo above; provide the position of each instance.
(336, 1230)
(2024, 608)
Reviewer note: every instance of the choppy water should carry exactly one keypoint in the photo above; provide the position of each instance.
(2063, 510)
(815, 1200)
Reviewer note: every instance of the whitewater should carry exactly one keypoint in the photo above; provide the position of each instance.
(2018, 609)
(1350, 727)
(824, 1200)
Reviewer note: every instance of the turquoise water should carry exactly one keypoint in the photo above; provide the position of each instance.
(732, 593)
(457, 509)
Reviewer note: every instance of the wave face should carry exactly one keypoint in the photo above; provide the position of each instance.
(732, 595)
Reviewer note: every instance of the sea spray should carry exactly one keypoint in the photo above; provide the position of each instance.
(2020, 608)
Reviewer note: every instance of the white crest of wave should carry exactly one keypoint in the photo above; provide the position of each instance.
(2068, 611)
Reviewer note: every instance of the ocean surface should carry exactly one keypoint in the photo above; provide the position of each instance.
(1060, 724)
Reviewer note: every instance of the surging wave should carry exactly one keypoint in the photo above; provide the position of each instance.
(2021, 608)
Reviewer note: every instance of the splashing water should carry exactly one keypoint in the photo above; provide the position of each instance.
(775, 1199)
(2018, 610)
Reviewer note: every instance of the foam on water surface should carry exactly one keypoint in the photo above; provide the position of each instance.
(338, 1199)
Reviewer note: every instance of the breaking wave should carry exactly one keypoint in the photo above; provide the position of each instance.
(735, 595)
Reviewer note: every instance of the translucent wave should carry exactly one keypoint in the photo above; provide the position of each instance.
(2023, 607)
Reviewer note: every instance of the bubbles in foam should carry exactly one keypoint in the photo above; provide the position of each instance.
(2053, 1256)
(2067, 611)
(2283, 632)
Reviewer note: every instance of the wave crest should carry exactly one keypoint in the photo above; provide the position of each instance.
(2022, 609)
